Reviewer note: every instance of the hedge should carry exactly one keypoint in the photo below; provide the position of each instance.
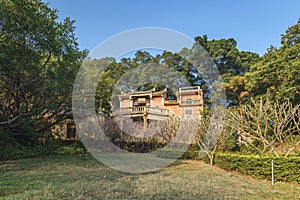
(19, 151)
(177, 153)
(285, 169)
(139, 146)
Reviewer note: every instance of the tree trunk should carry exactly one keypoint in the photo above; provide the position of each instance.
(212, 159)
(276, 154)
(292, 149)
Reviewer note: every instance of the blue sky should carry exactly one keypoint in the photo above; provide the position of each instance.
(254, 24)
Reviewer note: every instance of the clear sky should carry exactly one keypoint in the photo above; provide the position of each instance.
(254, 24)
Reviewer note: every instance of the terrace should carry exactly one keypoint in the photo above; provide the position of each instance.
(142, 110)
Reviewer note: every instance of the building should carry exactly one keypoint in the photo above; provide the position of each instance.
(146, 106)
(154, 105)
(65, 130)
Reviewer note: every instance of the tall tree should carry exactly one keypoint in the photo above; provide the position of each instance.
(39, 59)
(231, 63)
(278, 73)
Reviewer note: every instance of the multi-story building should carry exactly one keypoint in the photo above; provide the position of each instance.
(154, 105)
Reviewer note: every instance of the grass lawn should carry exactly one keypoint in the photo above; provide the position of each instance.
(74, 177)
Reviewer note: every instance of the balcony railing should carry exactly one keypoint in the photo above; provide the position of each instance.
(159, 111)
(141, 110)
(192, 88)
(138, 109)
(171, 102)
(190, 102)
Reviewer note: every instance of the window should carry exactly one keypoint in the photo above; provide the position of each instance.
(188, 112)
(142, 99)
(188, 101)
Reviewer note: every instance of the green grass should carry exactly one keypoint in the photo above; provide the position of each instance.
(74, 177)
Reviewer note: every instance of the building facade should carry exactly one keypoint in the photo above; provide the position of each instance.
(154, 105)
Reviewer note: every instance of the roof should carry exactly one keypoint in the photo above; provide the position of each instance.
(151, 92)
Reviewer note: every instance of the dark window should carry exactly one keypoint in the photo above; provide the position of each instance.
(71, 131)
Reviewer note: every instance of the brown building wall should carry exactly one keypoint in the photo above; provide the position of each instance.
(184, 97)
(125, 103)
(157, 102)
(194, 109)
(175, 108)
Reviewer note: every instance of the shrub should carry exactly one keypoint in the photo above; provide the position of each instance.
(18, 151)
(140, 146)
(285, 169)
(70, 150)
(169, 153)
(15, 150)
(190, 155)
(177, 153)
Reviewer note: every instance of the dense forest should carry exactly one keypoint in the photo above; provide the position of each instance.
(40, 57)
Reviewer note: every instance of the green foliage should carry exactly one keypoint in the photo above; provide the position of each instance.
(18, 151)
(139, 73)
(140, 146)
(229, 144)
(190, 155)
(285, 169)
(169, 153)
(277, 74)
(15, 150)
(70, 150)
(143, 72)
(177, 153)
(39, 60)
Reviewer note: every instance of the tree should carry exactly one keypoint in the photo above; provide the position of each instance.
(212, 133)
(278, 73)
(267, 127)
(285, 126)
(231, 63)
(39, 60)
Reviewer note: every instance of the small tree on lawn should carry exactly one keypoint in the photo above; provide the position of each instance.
(213, 130)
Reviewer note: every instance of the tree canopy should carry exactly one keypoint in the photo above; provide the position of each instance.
(39, 59)
(278, 73)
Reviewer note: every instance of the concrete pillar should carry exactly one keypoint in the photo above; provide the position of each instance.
(145, 121)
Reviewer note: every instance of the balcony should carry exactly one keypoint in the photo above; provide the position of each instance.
(141, 110)
(157, 111)
(190, 102)
(171, 102)
(138, 109)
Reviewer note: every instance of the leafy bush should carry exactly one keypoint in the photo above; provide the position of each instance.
(140, 146)
(70, 150)
(177, 153)
(190, 155)
(13, 150)
(169, 153)
(285, 169)
(18, 151)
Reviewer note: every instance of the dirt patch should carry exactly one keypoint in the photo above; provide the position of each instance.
(8, 165)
